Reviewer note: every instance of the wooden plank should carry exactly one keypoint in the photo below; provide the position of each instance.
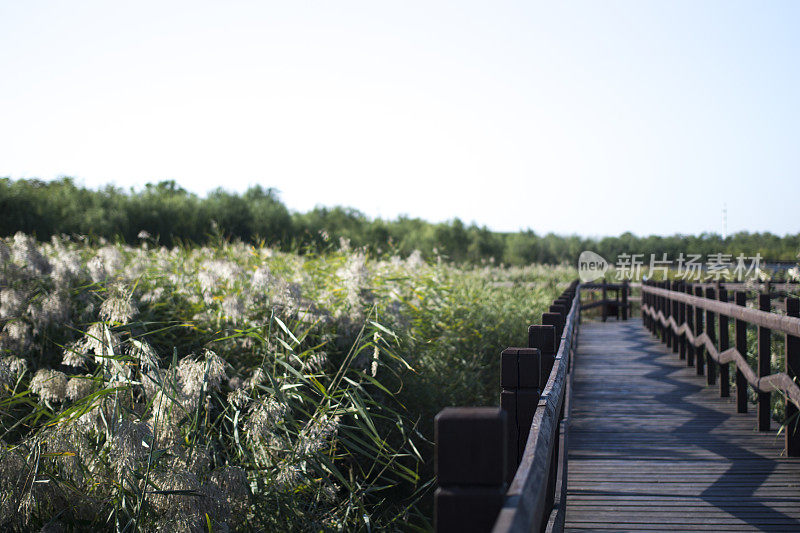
(653, 448)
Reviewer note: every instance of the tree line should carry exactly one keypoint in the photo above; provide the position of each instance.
(171, 215)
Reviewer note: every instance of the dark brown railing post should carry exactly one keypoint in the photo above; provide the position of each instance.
(699, 363)
(520, 379)
(663, 307)
(690, 324)
(711, 365)
(792, 370)
(667, 314)
(740, 326)
(604, 299)
(625, 290)
(559, 308)
(764, 359)
(656, 309)
(557, 321)
(724, 344)
(676, 315)
(470, 463)
(543, 338)
(681, 320)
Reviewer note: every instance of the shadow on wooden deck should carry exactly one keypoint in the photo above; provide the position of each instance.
(653, 448)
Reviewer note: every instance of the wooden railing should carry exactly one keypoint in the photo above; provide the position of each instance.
(685, 316)
(618, 306)
(505, 469)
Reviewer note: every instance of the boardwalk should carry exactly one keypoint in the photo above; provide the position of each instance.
(651, 447)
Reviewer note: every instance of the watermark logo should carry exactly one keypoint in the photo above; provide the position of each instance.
(591, 266)
(687, 267)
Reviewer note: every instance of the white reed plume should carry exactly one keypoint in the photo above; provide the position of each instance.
(74, 354)
(11, 303)
(317, 434)
(67, 266)
(195, 373)
(261, 279)
(50, 385)
(79, 387)
(376, 352)
(52, 309)
(233, 307)
(130, 444)
(118, 309)
(16, 335)
(232, 483)
(27, 255)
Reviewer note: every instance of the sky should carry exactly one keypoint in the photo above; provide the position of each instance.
(590, 118)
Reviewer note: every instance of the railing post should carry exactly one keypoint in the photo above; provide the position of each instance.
(624, 308)
(663, 307)
(724, 344)
(470, 463)
(656, 309)
(559, 308)
(625, 289)
(711, 331)
(645, 301)
(667, 314)
(740, 328)
(792, 370)
(681, 320)
(520, 379)
(764, 358)
(699, 364)
(557, 321)
(543, 338)
(653, 302)
(603, 307)
(690, 323)
(675, 313)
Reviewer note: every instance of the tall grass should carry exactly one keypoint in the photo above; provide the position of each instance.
(235, 387)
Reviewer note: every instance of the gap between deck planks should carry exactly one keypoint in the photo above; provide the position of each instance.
(652, 448)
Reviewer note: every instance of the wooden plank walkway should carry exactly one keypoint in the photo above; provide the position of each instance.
(651, 447)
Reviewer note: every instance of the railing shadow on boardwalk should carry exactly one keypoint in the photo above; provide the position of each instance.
(677, 390)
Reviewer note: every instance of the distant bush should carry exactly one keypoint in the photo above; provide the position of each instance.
(172, 215)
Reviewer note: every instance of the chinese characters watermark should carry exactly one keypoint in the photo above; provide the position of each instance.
(687, 267)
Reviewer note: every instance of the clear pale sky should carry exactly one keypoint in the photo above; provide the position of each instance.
(547, 115)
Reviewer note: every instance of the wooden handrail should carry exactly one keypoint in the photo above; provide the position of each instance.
(518, 488)
(524, 508)
(609, 286)
(785, 324)
(598, 303)
(773, 382)
(676, 316)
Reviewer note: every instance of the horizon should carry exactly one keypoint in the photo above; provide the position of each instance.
(651, 119)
